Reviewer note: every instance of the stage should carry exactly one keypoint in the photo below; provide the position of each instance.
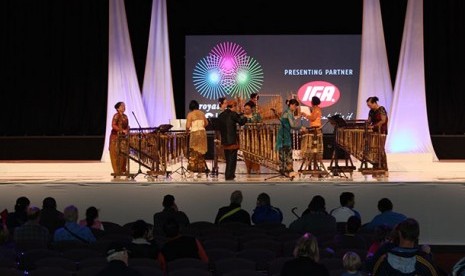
(430, 191)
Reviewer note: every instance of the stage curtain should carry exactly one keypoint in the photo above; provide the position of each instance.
(157, 92)
(408, 125)
(122, 78)
(375, 79)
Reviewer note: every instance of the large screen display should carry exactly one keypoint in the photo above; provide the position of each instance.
(284, 66)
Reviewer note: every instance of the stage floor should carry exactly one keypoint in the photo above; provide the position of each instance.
(402, 168)
(430, 191)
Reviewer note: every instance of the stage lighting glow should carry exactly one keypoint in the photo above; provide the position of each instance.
(228, 71)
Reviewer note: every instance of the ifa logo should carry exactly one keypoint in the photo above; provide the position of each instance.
(327, 92)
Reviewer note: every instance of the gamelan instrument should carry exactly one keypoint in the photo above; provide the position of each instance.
(357, 139)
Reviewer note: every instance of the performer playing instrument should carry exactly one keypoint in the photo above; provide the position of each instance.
(378, 121)
(252, 117)
(119, 126)
(228, 121)
(284, 139)
(195, 124)
(315, 128)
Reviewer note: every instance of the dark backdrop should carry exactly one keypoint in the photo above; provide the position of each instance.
(54, 62)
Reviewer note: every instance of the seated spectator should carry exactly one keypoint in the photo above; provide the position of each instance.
(306, 261)
(406, 257)
(19, 216)
(459, 268)
(346, 210)
(143, 245)
(315, 219)
(50, 217)
(233, 212)
(382, 234)
(352, 263)
(264, 212)
(179, 246)
(31, 232)
(117, 257)
(72, 231)
(387, 216)
(351, 238)
(170, 210)
(92, 220)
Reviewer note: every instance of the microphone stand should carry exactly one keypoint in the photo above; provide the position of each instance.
(283, 161)
(139, 158)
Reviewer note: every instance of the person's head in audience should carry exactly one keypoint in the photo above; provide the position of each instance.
(263, 199)
(307, 247)
(117, 251)
(317, 204)
(236, 197)
(171, 228)
(353, 225)
(351, 262)
(347, 199)
(140, 229)
(384, 205)
(71, 213)
(49, 203)
(22, 203)
(33, 214)
(168, 202)
(409, 232)
(91, 215)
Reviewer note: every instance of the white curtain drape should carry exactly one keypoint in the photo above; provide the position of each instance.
(408, 127)
(375, 79)
(157, 90)
(122, 78)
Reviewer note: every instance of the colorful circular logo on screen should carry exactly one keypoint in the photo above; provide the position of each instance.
(327, 92)
(227, 70)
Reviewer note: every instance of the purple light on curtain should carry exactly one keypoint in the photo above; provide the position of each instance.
(408, 127)
(122, 78)
(375, 79)
(158, 89)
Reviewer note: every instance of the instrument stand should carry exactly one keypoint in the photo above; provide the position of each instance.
(215, 170)
(182, 169)
(314, 164)
(139, 157)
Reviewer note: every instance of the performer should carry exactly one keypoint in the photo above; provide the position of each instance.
(284, 141)
(119, 126)
(315, 128)
(254, 97)
(252, 117)
(195, 124)
(228, 121)
(223, 104)
(378, 121)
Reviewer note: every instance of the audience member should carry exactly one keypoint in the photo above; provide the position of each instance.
(72, 231)
(179, 246)
(387, 216)
(233, 212)
(346, 210)
(352, 263)
(50, 217)
(315, 219)
(351, 238)
(19, 216)
(143, 245)
(31, 232)
(459, 268)
(92, 220)
(382, 234)
(406, 257)
(264, 212)
(306, 261)
(170, 210)
(117, 257)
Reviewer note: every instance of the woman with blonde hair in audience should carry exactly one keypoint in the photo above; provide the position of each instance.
(352, 263)
(307, 257)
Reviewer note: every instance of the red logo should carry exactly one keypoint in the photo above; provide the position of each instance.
(327, 92)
